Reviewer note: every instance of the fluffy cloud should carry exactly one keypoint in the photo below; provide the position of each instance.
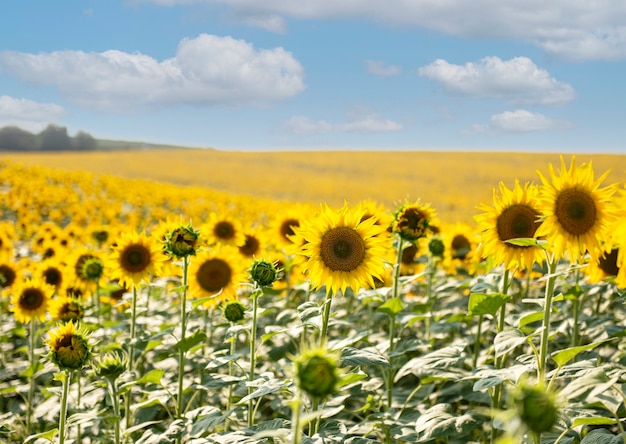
(381, 69)
(520, 121)
(366, 124)
(207, 70)
(574, 29)
(28, 114)
(517, 80)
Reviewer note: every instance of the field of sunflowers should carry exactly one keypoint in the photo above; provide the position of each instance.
(167, 311)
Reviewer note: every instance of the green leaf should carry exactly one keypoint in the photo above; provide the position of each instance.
(152, 377)
(392, 307)
(432, 364)
(508, 340)
(191, 341)
(562, 357)
(439, 422)
(354, 357)
(593, 420)
(601, 436)
(207, 422)
(264, 390)
(60, 376)
(32, 369)
(530, 318)
(486, 303)
(49, 435)
(198, 302)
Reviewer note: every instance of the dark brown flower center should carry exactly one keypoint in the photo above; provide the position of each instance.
(608, 263)
(224, 230)
(250, 247)
(135, 258)
(576, 211)
(31, 299)
(53, 276)
(213, 275)
(517, 221)
(408, 254)
(342, 249)
(7, 276)
(286, 228)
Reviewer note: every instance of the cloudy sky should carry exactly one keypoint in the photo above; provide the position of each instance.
(523, 75)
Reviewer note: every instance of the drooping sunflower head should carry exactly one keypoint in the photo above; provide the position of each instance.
(111, 365)
(413, 221)
(223, 229)
(576, 210)
(263, 272)
(181, 241)
(30, 299)
(135, 258)
(514, 215)
(317, 372)
(66, 309)
(217, 273)
(343, 249)
(69, 346)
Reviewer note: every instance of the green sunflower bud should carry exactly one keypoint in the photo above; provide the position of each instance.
(263, 272)
(182, 241)
(111, 366)
(92, 269)
(436, 247)
(317, 373)
(234, 311)
(536, 408)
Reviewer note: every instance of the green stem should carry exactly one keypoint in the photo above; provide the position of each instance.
(131, 354)
(496, 399)
(577, 305)
(78, 396)
(183, 328)
(296, 429)
(392, 325)
(477, 341)
(115, 402)
(536, 437)
(63, 414)
(229, 401)
(325, 318)
(31, 389)
(547, 309)
(255, 306)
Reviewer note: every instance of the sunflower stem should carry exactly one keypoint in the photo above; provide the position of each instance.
(31, 388)
(392, 325)
(296, 428)
(67, 377)
(229, 401)
(78, 396)
(325, 318)
(577, 303)
(547, 309)
(115, 402)
(255, 305)
(181, 351)
(131, 354)
(477, 342)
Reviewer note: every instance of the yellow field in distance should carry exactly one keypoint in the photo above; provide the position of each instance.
(453, 182)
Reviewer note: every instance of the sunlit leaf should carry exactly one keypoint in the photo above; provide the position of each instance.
(354, 357)
(562, 357)
(486, 303)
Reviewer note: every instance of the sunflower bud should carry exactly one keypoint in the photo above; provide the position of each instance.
(69, 347)
(182, 241)
(263, 272)
(413, 221)
(436, 247)
(536, 408)
(92, 269)
(317, 373)
(111, 366)
(234, 311)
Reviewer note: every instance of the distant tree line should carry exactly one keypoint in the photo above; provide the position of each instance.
(52, 138)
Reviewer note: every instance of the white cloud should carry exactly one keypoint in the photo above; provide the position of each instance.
(517, 80)
(28, 114)
(207, 70)
(576, 29)
(520, 121)
(381, 69)
(365, 124)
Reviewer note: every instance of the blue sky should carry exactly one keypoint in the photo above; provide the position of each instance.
(518, 75)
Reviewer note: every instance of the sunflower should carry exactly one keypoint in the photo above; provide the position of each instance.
(69, 347)
(343, 249)
(135, 258)
(8, 274)
(514, 215)
(254, 244)
(221, 229)
(30, 299)
(218, 273)
(413, 221)
(64, 308)
(576, 211)
(284, 225)
(52, 272)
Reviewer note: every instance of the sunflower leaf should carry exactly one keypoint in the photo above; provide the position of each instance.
(191, 341)
(562, 357)
(355, 357)
(486, 303)
(392, 307)
(49, 435)
(527, 242)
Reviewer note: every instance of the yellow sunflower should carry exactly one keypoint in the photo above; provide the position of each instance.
(412, 221)
(576, 211)
(514, 215)
(135, 258)
(64, 308)
(69, 347)
(52, 272)
(343, 249)
(218, 272)
(30, 299)
(8, 274)
(284, 224)
(222, 229)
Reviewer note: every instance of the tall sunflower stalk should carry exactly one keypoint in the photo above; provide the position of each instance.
(263, 274)
(110, 366)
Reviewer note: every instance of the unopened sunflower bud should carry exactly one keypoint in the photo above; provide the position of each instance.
(536, 408)
(263, 272)
(436, 247)
(182, 241)
(317, 373)
(234, 311)
(92, 269)
(69, 347)
(111, 366)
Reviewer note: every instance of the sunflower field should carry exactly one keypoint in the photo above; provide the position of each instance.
(141, 311)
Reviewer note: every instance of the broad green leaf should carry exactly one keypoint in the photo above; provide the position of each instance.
(593, 420)
(264, 390)
(355, 357)
(528, 242)
(152, 377)
(207, 422)
(562, 357)
(508, 340)
(601, 436)
(432, 363)
(198, 302)
(440, 422)
(49, 435)
(486, 303)
(191, 341)
(392, 307)
(530, 318)
(32, 370)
